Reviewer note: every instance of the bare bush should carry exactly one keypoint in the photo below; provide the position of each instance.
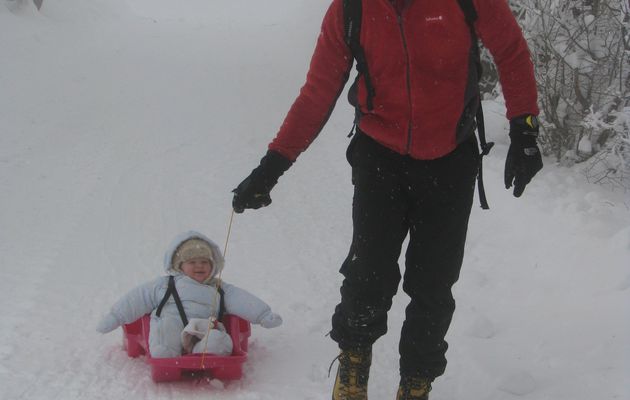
(582, 56)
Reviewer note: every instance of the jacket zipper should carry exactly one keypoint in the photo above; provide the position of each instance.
(402, 33)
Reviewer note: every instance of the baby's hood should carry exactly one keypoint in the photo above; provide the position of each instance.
(217, 257)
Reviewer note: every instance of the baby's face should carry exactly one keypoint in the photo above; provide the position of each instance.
(198, 269)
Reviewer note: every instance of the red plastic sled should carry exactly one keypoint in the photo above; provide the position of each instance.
(136, 342)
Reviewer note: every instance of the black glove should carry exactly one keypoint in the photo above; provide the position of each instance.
(253, 192)
(523, 159)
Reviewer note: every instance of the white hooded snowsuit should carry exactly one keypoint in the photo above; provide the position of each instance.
(200, 300)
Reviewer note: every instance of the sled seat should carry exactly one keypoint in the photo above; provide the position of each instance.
(136, 343)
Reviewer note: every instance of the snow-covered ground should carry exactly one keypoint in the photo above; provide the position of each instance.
(125, 122)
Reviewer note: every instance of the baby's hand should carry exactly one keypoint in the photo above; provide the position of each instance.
(270, 320)
(107, 324)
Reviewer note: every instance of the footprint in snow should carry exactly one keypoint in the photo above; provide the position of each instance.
(518, 383)
(482, 328)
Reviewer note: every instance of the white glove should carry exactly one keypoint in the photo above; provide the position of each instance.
(270, 320)
(217, 342)
(107, 324)
(196, 331)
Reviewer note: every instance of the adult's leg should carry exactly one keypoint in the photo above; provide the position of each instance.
(443, 191)
(371, 269)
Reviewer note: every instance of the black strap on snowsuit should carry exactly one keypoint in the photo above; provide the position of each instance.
(352, 10)
(221, 303)
(171, 290)
(178, 302)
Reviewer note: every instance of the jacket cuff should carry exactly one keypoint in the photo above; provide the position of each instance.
(276, 161)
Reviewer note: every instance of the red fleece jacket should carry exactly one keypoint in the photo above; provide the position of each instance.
(419, 66)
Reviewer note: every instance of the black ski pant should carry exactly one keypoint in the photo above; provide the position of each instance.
(396, 195)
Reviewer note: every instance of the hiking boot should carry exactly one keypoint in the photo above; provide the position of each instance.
(352, 375)
(414, 388)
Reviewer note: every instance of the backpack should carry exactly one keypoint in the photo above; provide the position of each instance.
(352, 11)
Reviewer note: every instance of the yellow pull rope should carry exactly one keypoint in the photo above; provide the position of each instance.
(216, 295)
(227, 239)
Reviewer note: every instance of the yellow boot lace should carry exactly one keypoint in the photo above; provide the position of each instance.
(352, 375)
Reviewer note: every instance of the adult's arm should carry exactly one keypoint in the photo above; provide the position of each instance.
(327, 75)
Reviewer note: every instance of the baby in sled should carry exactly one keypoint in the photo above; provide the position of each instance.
(185, 302)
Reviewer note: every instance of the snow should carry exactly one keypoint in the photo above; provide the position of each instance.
(126, 122)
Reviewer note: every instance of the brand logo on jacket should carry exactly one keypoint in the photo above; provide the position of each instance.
(434, 19)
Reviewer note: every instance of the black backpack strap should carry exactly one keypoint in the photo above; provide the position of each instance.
(485, 149)
(470, 14)
(352, 14)
(171, 290)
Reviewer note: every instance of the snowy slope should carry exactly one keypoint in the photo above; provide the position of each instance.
(124, 122)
